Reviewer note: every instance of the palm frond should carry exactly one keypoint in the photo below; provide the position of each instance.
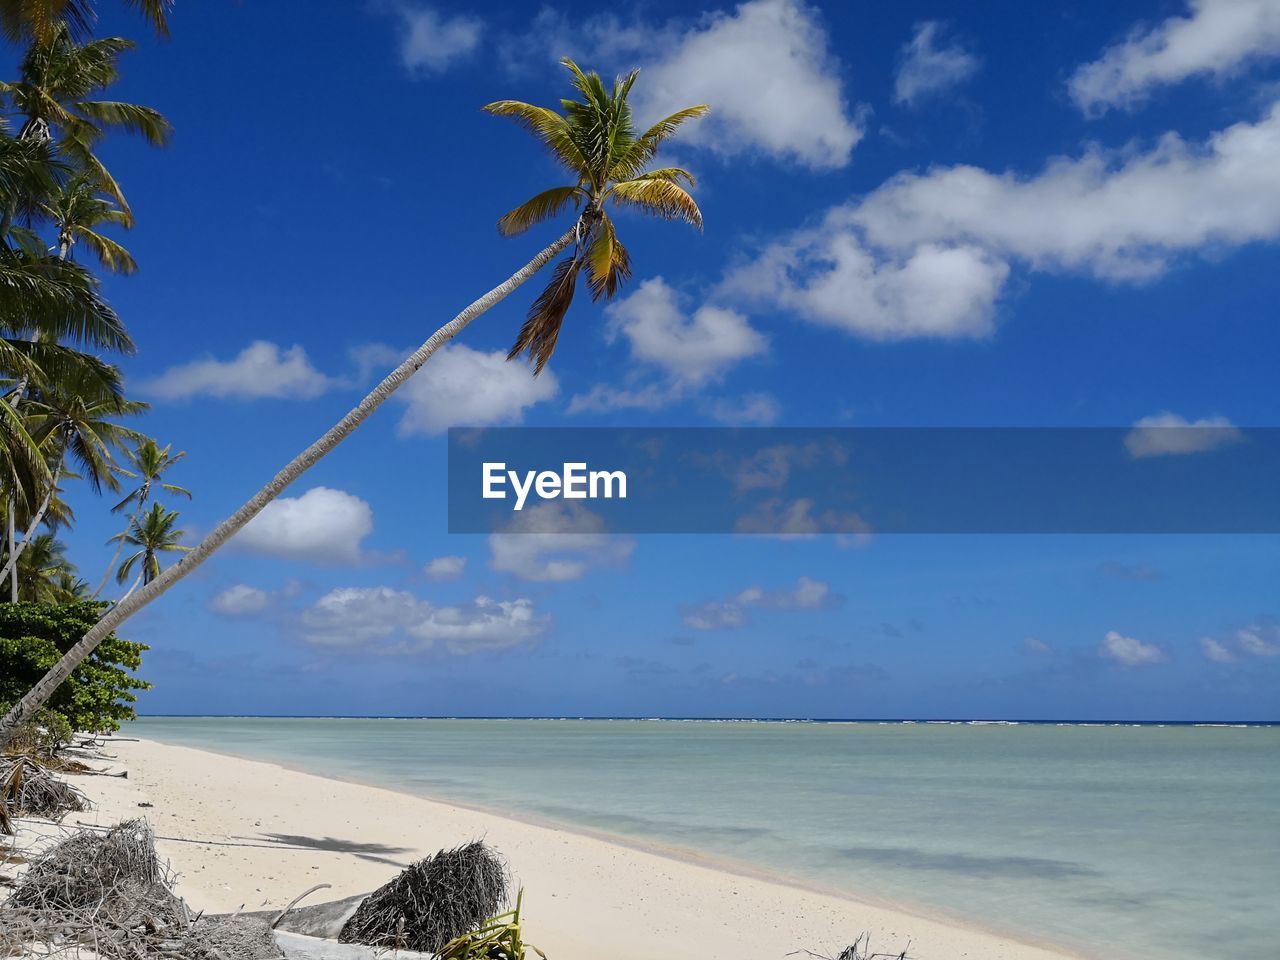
(548, 126)
(146, 122)
(645, 147)
(661, 198)
(544, 206)
(608, 262)
(541, 327)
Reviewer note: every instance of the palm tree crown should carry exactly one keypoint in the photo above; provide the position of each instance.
(154, 533)
(596, 141)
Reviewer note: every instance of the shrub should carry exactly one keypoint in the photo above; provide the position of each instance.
(98, 695)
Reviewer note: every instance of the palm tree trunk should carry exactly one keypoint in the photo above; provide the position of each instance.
(13, 571)
(40, 693)
(11, 567)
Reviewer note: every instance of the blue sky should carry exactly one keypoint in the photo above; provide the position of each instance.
(916, 214)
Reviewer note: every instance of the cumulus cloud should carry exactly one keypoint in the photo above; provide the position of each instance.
(929, 66)
(555, 542)
(750, 409)
(766, 68)
(260, 370)
(1216, 38)
(240, 600)
(432, 42)
(1259, 640)
(1169, 435)
(1130, 652)
(464, 387)
(684, 351)
(928, 254)
(1215, 651)
(322, 525)
(394, 621)
(445, 568)
(807, 594)
(774, 85)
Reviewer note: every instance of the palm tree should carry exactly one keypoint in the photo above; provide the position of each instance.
(154, 533)
(149, 461)
(39, 18)
(55, 95)
(42, 565)
(591, 129)
(597, 143)
(74, 417)
(76, 210)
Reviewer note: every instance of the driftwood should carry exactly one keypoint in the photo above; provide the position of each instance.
(433, 901)
(860, 949)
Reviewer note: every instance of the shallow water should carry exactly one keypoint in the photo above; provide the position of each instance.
(1139, 841)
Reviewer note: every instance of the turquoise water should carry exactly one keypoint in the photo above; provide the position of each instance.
(1120, 841)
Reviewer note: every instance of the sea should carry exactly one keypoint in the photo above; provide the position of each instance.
(1146, 842)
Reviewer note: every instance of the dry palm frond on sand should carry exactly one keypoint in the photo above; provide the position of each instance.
(433, 901)
(107, 895)
(30, 789)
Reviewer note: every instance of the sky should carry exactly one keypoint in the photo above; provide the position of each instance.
(916, 214)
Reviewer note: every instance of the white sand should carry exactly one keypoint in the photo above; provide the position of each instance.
(586, 898)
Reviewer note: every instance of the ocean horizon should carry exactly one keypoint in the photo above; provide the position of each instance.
(1156, 839)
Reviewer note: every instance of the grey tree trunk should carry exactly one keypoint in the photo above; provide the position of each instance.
(25, 708)
(11, 567)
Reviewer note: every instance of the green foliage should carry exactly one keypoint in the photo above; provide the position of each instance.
(100, 692)
(498, 939)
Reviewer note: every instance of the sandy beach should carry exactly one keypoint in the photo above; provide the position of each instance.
(265, 833)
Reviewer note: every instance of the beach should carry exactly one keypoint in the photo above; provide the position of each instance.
(252, 834)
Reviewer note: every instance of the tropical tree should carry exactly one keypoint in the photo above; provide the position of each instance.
(40, 18)
(149, 461)
(77, 209)
(73, 418)
(41, 567)
(56, 97)
(154, 533)
(595, 140)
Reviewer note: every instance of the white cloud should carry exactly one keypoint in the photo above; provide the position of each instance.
(445, 568)
(555, 542)
(1130, 652)
(807, 594)
(323, 525)
(240, 600)
(1259, 640)
(1218, 37)
(395, 621)
(459, 386)
(1036, 645)
(431, 42)
(692, 348)
(1215, 651)
(927, 255)
(683, 351)
(1167, 434)
(750, 409)
(773, 84)
(260, 370)
(927, 69)
(766, 69)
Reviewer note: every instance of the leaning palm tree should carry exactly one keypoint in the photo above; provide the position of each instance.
(149, 461)
(594, 137)
(154, 533)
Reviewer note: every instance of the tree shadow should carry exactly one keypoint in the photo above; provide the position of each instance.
(365, 851)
